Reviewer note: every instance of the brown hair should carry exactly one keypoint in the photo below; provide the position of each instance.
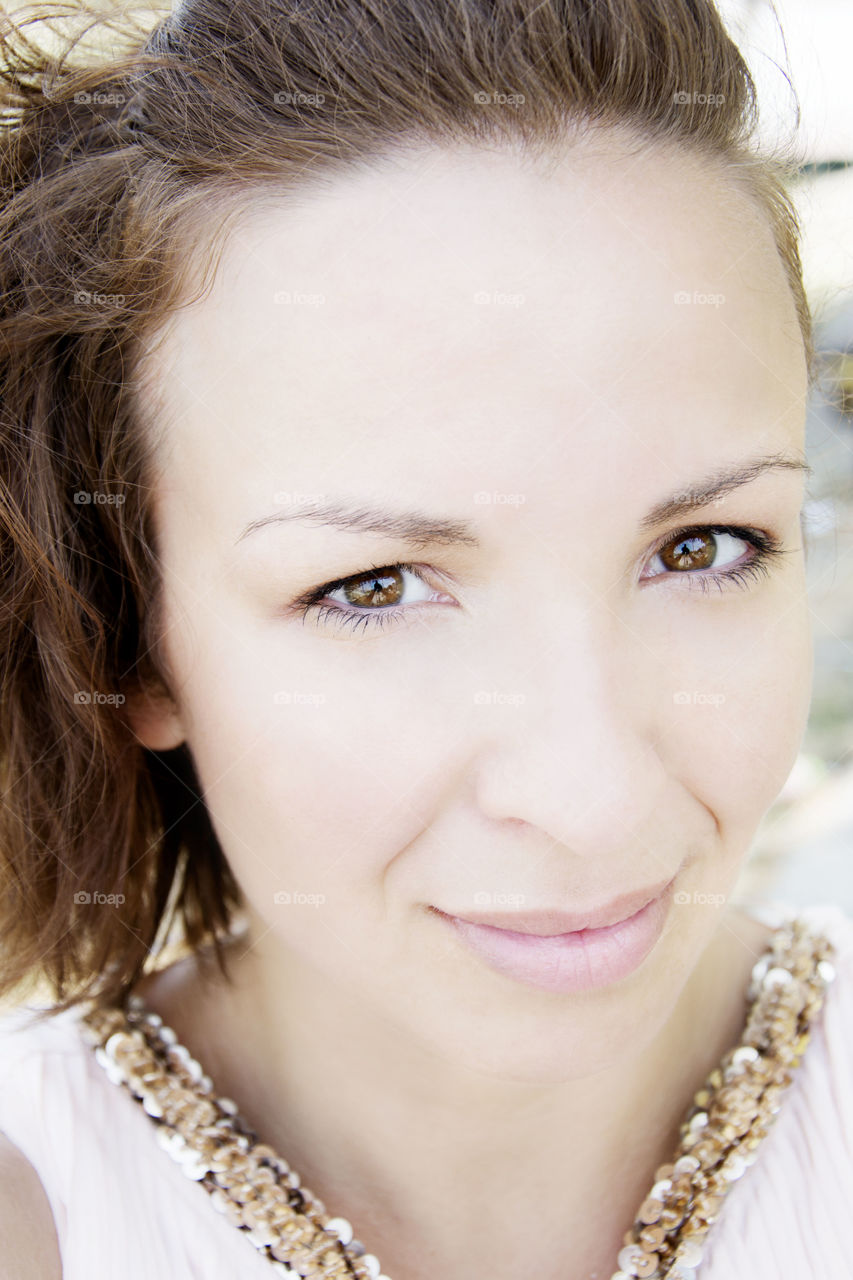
(121, 174)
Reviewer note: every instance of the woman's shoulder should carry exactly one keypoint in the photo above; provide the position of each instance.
(27, 1040)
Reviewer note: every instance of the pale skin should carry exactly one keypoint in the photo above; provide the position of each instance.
(467, 1124)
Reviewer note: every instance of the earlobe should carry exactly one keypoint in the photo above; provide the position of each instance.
(154, 719)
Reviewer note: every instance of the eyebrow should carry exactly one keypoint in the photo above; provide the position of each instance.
(421, 530)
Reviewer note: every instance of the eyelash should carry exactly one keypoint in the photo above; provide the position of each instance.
(766, 548)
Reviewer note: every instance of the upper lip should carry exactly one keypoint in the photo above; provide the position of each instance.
(547, 924)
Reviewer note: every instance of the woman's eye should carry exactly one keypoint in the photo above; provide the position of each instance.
(719, 555)
(372, 597)
(714, 554)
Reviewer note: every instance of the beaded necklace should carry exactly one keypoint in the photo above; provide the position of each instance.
(261, 1195)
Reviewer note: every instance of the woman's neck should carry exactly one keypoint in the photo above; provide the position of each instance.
(438, 1166)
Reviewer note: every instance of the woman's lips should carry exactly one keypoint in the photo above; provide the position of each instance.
(576, 960)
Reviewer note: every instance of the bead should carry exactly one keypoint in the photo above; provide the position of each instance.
(733, 1168)
(257, 1190)
(630, 1258)
(650, 1210)
(689, 1254)
(341, 1228)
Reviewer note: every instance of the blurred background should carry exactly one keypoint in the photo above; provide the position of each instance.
(803, 851)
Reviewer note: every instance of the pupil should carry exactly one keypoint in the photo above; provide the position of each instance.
(694, 552)
(381, 588)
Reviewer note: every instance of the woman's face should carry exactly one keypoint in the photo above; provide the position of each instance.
(541, 711)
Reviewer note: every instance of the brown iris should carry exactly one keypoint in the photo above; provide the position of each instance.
(694, 552)
(375, 588)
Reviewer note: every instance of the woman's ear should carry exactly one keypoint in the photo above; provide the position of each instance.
(154, 717)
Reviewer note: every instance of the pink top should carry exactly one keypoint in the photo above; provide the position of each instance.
(123, 1207)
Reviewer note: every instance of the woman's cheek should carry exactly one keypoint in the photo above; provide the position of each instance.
(745, 726)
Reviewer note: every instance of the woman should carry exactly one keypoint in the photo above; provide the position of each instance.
(403, 468)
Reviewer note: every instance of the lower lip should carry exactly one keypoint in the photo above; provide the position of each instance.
(568, 962)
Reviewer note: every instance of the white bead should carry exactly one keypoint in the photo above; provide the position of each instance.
(826, 970)
(113, 1043)
(699, 1120)
(194, 1169)
(168, 1036)
(228, 1105)
(685, 1164)
(733, 1168)
(341, 1228)
(629, 1257)
(657, 1193)
(152, 1106)
(777, 977)
(372, 1263)
(689, 1254)
(745, 1053)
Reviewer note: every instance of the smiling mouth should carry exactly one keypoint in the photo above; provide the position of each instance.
(549, 923)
